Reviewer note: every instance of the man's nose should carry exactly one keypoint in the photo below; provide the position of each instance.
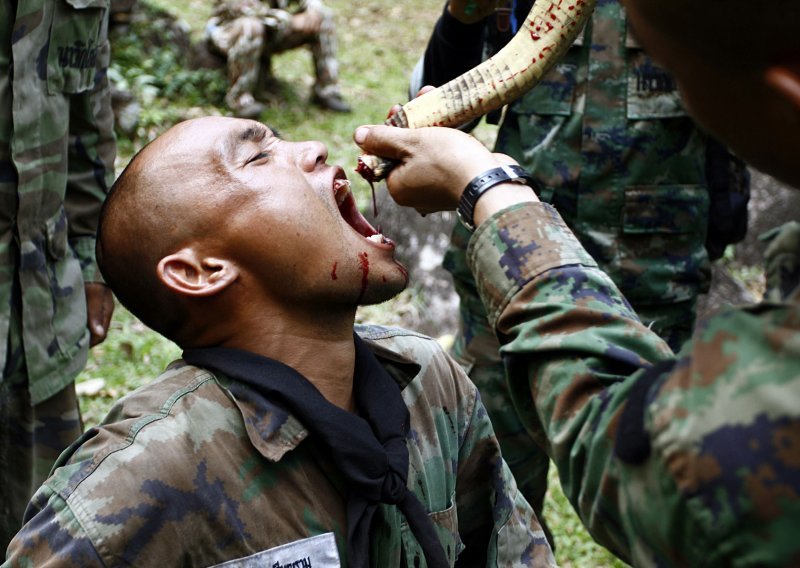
(312, 154)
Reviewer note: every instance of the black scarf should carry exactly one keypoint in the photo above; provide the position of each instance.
(369, 448)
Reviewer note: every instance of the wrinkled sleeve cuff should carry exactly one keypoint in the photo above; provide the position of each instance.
(84, 250)
(516, 245)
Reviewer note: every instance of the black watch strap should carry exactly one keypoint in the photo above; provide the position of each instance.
(482, 183)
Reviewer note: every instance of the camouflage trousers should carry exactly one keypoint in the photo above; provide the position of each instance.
(248, 45)
(31, 437)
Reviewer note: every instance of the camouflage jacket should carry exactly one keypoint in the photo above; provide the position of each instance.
(669, 460)
(184, 473)
(605, 135)
(56, 163)
(608, 139)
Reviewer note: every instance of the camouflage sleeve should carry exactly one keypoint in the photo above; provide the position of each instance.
(669, 461)
(90, 162)
(495, 523)
(51, 537)
(570, 341)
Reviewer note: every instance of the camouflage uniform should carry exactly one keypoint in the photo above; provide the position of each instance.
(185, 473)
(669, 460)
(56, 163)
(607, 138)
(248, 32)
(782, 260)
(614, 151)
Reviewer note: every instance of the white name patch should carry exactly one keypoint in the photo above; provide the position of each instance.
(315, 552)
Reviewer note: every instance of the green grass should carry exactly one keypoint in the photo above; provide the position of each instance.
(379, 43)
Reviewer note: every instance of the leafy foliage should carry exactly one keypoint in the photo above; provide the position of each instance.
(150, 60)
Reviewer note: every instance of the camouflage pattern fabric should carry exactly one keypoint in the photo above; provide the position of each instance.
(687, 460)
(32, 436)
(608, 140)
(56, 162)
(183, 473)
(609, 143)
(476, 348)
(248, 32)
(782, 260)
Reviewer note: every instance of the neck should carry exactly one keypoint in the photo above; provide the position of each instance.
(319, 348)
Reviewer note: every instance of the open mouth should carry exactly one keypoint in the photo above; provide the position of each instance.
(350, 213)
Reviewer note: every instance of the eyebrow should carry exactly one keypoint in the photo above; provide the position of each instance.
(254, 133)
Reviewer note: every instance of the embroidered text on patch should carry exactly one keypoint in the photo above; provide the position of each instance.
(301, 563)
(650, 80)
(78, 56)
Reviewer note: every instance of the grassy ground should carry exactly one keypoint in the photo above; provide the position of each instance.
(379, 42)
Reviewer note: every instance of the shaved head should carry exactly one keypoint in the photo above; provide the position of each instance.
(219, 228)
(163, 200)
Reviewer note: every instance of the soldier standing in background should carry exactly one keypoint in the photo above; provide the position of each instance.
(606, 136)
(248, 32)
(57, 152)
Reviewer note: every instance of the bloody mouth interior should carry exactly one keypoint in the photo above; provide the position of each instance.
(354, 218)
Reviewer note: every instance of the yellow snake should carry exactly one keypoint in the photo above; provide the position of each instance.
(549, 30)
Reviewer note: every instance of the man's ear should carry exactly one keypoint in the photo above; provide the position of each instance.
(190, 274)
(785, 80)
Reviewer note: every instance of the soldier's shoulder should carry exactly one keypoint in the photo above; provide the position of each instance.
(430, 371)
(406, 345)
(402, 341)
(720, 421)
(169, 408)
(160, 396)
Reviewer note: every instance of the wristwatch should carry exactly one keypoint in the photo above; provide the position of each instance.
(482, 183)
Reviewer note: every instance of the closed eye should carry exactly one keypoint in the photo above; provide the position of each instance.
(258, 157)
